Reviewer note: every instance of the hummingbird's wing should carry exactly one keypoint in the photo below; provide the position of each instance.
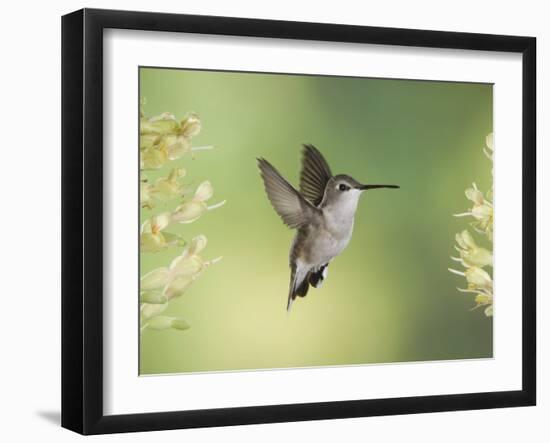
(292, 207)
(314, 175)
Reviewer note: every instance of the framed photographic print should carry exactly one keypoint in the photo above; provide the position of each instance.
(269, 221)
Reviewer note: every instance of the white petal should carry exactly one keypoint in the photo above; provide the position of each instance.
(177, 287)
(184, 266)
(479, 278)
(190, 125)
(467, 240)
(204, 191)
(474, 195)
(188, 212)
(197, 244)
(160, 221)
(146, 227)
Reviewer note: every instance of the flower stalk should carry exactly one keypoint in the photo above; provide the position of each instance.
(476, 259)
(163, 140)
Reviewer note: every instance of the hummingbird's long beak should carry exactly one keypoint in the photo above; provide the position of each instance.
(367, 187)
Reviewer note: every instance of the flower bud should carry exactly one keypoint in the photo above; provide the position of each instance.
(180, 324)
(148, 311)
(155, 279)
(159, 323)
(153, 298)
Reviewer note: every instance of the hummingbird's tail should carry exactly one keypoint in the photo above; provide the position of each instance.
(299, 284)
(301, 279)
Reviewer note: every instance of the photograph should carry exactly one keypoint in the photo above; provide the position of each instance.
(297, 221)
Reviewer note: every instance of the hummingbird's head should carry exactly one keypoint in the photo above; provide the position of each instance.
(344, 191)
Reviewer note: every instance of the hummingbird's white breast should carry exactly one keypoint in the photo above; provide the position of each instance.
(327, 244)
(320, 242)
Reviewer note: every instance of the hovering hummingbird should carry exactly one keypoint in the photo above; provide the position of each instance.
(322, 212)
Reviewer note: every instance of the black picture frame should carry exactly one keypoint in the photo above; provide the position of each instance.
(82, 218)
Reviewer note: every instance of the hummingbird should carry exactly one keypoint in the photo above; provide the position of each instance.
(322, 212)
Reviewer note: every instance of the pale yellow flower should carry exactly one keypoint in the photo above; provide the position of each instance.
(197, 245)
(148, 310)
(163, 124)
(472, 256)
(483, 298)
(178, 286)
(163, 189)
(152, 237)
(477, 278)
(470, 253)
(166, 188)
(164, 138)
(153, 157)
(204, 192)
(481, 211)
(191, 210)
(147, 141)
(183, 270)
(190, 125)
(188, 212)
(155, 279)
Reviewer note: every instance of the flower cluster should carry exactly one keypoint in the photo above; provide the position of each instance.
(163, 284)
(164, 139)
(163, 189)
(481, 211)
(154, 237)
(475, 259)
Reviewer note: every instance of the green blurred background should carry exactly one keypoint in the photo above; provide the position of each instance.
(389, 296)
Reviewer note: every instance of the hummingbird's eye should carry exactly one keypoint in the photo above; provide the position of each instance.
(343, 187)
